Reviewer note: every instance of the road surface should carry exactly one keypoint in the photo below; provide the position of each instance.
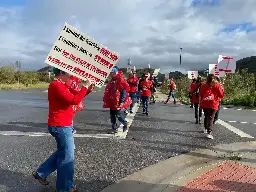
(168, 131)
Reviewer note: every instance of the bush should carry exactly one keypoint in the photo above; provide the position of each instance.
(11, 78)
(240, 89)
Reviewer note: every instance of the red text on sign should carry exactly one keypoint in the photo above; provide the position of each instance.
(84, 63)
(107, 53)
(103, 62)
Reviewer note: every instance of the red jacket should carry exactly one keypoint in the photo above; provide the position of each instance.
(193, 88)
(112, 94)
(210, 95)
(172, 86)
(145, 87)
(61, 101)
(133, 82)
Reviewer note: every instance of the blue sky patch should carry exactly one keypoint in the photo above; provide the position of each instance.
(248, 27)
(203, 3)
(11, 3)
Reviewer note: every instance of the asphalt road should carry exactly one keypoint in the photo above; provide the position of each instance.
(168, 131)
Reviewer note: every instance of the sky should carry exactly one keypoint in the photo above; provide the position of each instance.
(147, 31)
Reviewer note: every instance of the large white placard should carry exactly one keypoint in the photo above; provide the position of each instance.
(213, 69)
(226, 64)
(192, 74)
(80, 55)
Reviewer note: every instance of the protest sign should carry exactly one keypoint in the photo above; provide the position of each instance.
(80, 55)
(155, 73)
(192, 74)
(226, 64)
(213, 69)
(166, 76)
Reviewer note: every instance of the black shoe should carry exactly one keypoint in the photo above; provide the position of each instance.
(113, 131)
(131, 111)
(197, 122)
(125, 128)
(191, 106)
(146, 113)
(41, 180)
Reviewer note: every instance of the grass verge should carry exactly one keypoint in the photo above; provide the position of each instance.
(22, 86)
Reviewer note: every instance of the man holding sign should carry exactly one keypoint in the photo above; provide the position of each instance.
(60, 126)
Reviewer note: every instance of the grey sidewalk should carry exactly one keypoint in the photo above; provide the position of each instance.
(173, 173)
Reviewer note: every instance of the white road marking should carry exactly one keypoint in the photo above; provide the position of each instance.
(239, 109)
(38, 134)
(46, 91)
(233, 129)
(224, 108)
(243, 122)
(254, 110)
(232, 121)
(129, 118)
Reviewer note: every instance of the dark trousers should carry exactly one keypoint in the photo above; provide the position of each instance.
(216, 117)
(198, 111)
(145, 101)
(208, 119)
(132, 96)
(116, 114)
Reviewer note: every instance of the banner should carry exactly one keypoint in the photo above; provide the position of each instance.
(192, 74)
(227, 64)
(213, 69)
(80, 55)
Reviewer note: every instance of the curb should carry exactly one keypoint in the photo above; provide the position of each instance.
(171, 174)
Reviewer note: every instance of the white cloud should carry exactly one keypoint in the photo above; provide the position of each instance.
(145, 30)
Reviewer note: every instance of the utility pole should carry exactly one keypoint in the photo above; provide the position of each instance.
(18, 67)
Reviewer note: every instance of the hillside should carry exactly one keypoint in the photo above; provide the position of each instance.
(247, 63)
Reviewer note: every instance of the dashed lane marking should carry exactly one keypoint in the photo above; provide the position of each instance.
(234, 130)
(129, 118)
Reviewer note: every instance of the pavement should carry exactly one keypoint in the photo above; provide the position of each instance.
(221, 168)
(101, 159)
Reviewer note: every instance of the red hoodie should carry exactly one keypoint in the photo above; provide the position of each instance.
(210, 95)
(61, 101)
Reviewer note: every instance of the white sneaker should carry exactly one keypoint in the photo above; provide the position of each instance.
(209, 136)
(205, 131)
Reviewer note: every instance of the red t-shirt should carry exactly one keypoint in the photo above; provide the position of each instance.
(133, 82)
(146, 88)
(172, 86)
(61, 101)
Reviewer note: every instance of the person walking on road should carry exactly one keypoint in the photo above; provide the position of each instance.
(194, 90)
(171, 92)
(153, 90)
(193, 84)
(146, 87)
(116, 98)
(216, 117)
(210, 94)
(133, 83)
(139, 90)
(60, 119)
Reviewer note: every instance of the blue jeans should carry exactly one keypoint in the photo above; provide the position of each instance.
(138, 96)
(145, 101)
(132, 96)
(116, 114)
(61, 160)
(171, 94)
